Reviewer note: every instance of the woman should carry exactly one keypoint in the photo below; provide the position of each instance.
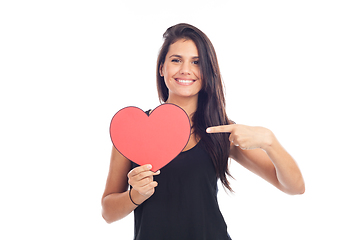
(181, 201)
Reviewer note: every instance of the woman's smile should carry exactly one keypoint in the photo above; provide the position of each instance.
(184, 81)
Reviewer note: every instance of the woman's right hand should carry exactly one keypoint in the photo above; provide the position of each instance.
(142, 181)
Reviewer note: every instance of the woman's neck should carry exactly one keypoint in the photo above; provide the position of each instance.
(188, 104)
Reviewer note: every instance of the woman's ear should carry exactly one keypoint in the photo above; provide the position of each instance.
(160, 70)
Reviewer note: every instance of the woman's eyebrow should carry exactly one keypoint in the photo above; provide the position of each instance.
(179, 56)
(175, 55)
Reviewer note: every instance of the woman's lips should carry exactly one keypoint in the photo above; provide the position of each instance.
(184, 82)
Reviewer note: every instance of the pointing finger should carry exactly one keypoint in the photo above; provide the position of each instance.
(220, 129)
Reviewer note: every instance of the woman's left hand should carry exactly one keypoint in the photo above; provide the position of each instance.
(245, 137)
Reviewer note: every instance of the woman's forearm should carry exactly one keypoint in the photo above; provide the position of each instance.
(116, 206)
(287, 171)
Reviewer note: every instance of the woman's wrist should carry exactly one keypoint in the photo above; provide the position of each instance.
(132, 199)
(135, 197)
(268, 139)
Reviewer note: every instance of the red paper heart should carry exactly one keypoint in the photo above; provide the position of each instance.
(156, 139)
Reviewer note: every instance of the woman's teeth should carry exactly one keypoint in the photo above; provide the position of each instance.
(184, 81)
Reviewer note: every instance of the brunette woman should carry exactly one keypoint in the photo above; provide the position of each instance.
(181, 201)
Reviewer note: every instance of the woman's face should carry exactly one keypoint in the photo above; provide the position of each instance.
(181, 70)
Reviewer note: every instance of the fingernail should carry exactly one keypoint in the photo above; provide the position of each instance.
(208, 130)
(149, 166)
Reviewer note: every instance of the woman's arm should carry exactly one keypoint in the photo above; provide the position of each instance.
(258, 150)
(116, 203)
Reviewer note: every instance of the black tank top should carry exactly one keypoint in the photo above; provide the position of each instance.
(184, 205)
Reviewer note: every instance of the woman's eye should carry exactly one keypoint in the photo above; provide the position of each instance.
(196, 62)
(175, 60)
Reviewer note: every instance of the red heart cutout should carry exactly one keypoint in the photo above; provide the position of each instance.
(156, 139)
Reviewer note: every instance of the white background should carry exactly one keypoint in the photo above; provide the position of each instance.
(66, 67)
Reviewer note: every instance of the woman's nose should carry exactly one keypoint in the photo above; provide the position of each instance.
(185, 68)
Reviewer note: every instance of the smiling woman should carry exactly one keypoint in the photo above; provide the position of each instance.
(181, 201)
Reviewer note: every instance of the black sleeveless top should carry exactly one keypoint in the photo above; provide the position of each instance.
(184, 205)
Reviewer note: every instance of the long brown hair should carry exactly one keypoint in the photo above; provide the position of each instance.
(211, 101)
